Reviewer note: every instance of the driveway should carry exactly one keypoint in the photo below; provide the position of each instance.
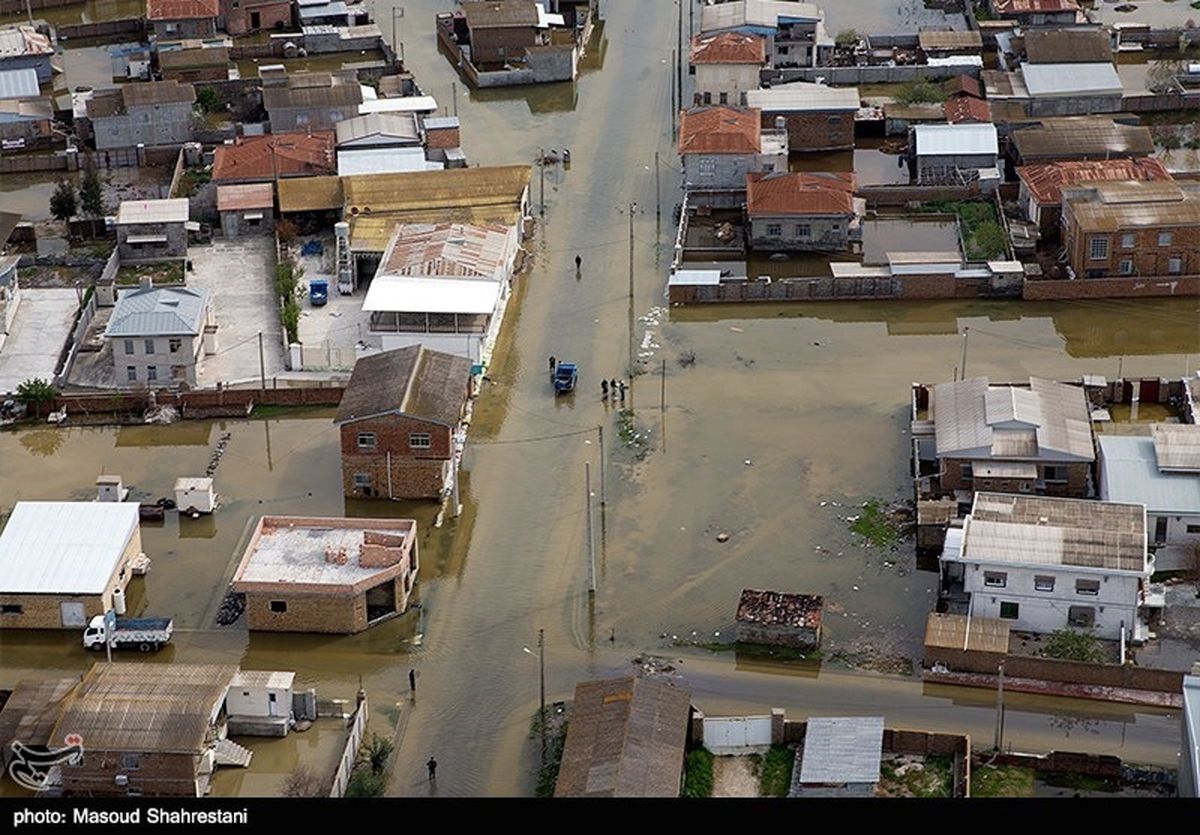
(38, 333)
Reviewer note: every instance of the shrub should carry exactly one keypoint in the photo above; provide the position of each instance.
(920, 91)
(304, 782)
(376, 751)
(1072, 645)
(286, 231)
(206, 99)
(365, 783)
(290, 317)
(62, 202)
(847, 37)
(698, 773)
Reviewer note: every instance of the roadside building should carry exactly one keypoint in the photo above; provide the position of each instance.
(1011, 437)
(310, 101)
(327, 575)
(1080, 138)
(1071, 89)
(442, 141)
(379, 130)
(246, 209)
(802, 211)
(259, 702)
(1161, 472)
(626, 738)
(1189, 763)
(242, 16)
(954, 154)
(24, 47)
(500, 30)
(148, 730)
(1035, 12)
(817, 117)
(794, 32)
(1040, 195)
(840, 757)
(727, 65)
(149, 113)
(63, 563)
(26, 123)
(959, 110)
(30, 712)
(371, 161)
(262, 159)
(721, 145)
(398, 422)
(943, 43)
(773, 618)
(1045, 564)
(194, 64)
(1131, 229)
(152, 230)
(178, 19)
(160, 335)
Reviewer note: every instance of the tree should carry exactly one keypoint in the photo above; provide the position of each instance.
(206, 99)
(91, 193)
(36, 391)
(847, 38)
(304, 782)
(920, 91)
(365, 783)
(62, 202)
(375, 752)
(988, 240)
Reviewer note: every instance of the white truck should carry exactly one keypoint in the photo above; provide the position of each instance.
(145, 634)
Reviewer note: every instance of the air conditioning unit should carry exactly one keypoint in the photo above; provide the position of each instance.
(121, 780)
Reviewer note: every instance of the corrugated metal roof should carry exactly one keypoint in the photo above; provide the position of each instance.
(962, 109)
(153, 211)
(1108, 207)
(1129, 472)
(842, 750)
(802, 97)
(720, 130)
(955, 140)
(402, 294)
(449, 250)
(971, 634)
(154, 93)
(32, 710)
(1080, 137)
(400, 104)
(1177, 446)
(19, 84)
(158, 311)
(1063, 46)
(936, 39)
(310, 194)
(388, 126)
(760, 13)
(64, 547)
(1041, 530)
(23, 40)
(1051, 80)
(1045, 181)
(249, 196)
(268, 679)
(182, 9)
(353, 161)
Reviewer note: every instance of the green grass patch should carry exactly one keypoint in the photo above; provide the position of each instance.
(775, 771)
(698, 773)
(164, 272)
(933, 778)
(983, 235)
(875, 526)
(191, 180)
(1073, 645)
(1002, 781)
(1079, 782)
(777, 653)
(920, 91)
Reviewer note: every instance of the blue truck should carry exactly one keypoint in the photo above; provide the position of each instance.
(318, 292)
(565, 375)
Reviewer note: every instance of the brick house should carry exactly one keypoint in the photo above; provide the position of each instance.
(1042, 183)
(262, 159)
(773, 618)
(1131, 229)
(500, 30)
(727, 66)
(338, 576)
(398, 418)
(801, 211)
(1035, 12)
(817, 117)
(242, 16)
(177, 20)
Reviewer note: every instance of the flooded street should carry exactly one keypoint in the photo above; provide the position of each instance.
(785, 408)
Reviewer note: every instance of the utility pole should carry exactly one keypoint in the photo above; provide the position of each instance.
(454, 95)
(963, 366)
(591, 543)
(542, 686)
(657, 189)
(542, 180)
(632, 209)
(603, 491)
(691, 23)
(676, 103)
(262, 368)
(662, 393)
(397, 12)
(679, 52)
(1000, 709)
(29, 11)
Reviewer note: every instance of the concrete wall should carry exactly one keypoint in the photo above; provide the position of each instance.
(552, 63)
(172, 367)
(825, 233)
(1110, 288)
(235, 224)
(1055, 669)
(779, 636)
(256, 701)
(717, 171)
(167, 124)
(1073, 105)
(849, 76)
(175, 247)
(732, 80)
(469, 345)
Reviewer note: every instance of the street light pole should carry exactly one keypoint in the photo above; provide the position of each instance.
(542, 686)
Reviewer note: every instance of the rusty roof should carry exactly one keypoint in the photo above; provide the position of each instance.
(501, 185)
(1015, 7)
(962, 85)
(413, 381)
(275, 155)
(966, 109)
(145, 707)
(936, 39)
(248, 196)
(310, 194)
(1046, 180)
(800, 193)
(1080, 137)
(625, 738)
(458, 250)
(720, 130)
(1067, 46)
(973, 634)
(182, 9)
(729, 48)
(500, 14)
(776, 608)
(1108, 207)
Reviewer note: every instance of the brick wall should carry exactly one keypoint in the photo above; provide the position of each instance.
(125, 402)
(497, 45)
(1075, 485)
(157, 775)
(1149, 259)
(442, 138)
(415, 473)
(1066, 762)
(1111, 288)
(781, 636)
(329, 613)
(42, 611)
(822, 131)
(1054, 669)
(238, 20)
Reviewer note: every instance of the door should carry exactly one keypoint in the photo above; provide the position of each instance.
(72, 614)
(272, 705)
(255, 20)
(1160, 530)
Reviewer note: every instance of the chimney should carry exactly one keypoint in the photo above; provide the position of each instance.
(146, 283)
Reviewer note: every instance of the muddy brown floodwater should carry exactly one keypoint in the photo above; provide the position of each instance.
(784, 408)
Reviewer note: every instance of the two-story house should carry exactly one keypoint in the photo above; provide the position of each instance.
(817, 117)
(721, 145)
(1131, 229)
(398, 419)
(310, 101)
(152, 230)
(1046, 564)
(1035, 12)
(794, 31)
(727, 65)
(1042, 183)
(177, 20)
(242, 16)
(500, 30)
(160, 335)
(813, 212)
(148, 113)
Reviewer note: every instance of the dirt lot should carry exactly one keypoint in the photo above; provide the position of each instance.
(734, 777)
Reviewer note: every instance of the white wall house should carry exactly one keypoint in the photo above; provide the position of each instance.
(1045, 564)
(260, 693)
(727, 65)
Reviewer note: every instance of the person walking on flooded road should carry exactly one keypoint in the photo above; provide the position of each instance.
(578, 263)
(622, 385)
(604, 389)
(412, 680)
(432, 766)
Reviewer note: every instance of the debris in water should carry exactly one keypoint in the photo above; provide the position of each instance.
(824, 503)
(735, 330)
(723, 536)
(748, 462)
(854, 587)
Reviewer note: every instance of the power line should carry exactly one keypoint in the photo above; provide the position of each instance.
(534, 439)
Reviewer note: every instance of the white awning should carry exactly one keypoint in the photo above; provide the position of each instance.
(253, 216)
(146, 239)
(404, 294)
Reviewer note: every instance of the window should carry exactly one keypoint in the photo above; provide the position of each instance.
(1043, 582)
(783, 50)
(1052, 473)
(1193, 528)
(420, 440)
(803, 230)
(837, 227)
(131, 762)
(279, 606)
(362, 480)
(151, 372)
(174, 345)
(835, 120)
(11, 609)
(707, 166)
(1099, 248)
(131, 373)
(1082, 616)
(967, 472)
(774, 230)
(1127, 241)
(708, 98)
(1089, 587)
(1009, 611)
(1126, 266)
(129, 346)
(1165, 238)
(724, 98)
(149, 346)
(995, 579)
(1175, 265)
(366, 440)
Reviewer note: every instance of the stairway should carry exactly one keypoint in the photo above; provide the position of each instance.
(227, 752)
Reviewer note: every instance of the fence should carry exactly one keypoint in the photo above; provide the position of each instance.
(103, 29)
(1110, 288)
(66, 358)
(341, 777)
(1057, 670)
(1156, 102)
(903, 195)
(326, 356)
(28, 163)
(870, 75)
(119, 404)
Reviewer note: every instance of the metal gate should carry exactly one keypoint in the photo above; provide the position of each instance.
(732, 734)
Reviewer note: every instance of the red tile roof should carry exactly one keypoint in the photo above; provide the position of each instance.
(963, 85)
(1030, 6)
(800, 193)
(275, 155)
(729, 48)
(1046, 181)
(181, 9)
(966, 109)
(720, 130)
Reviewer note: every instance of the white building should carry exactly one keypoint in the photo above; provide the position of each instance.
(727, 65)
(1189, 761)
(954, 154)
(1048, 563)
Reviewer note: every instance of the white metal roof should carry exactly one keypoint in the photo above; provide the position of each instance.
(153, 211)
(802, 96)
(694, 277)
(64, 547)
(268, 679)
(955, 140)
(842, 750)
(956, 61)
(402, 294)
(1071, 79)
(1177, 446)
(19, 84)
(403, 104)
(757, 13)
(1129, 472)
(384, 161)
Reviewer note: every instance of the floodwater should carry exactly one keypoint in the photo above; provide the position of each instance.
(786, 407)
(93, 11)
(29, 194)
(1160, 14)
(872, 166)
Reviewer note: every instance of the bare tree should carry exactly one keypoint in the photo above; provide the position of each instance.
(304, 782)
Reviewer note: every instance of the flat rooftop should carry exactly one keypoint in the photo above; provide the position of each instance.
(64, 547)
